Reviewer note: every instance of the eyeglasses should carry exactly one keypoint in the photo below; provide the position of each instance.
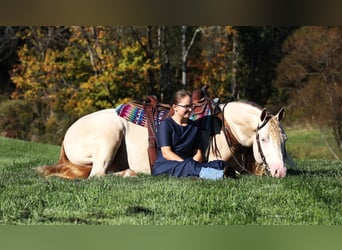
(188, 107)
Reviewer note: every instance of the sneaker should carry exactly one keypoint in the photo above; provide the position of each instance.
(229, 172)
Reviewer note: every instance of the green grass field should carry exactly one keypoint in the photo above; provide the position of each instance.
(311, 194)
(308, 143)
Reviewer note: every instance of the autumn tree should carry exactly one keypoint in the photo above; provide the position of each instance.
(216, 63)
(89, 68)
(310, 76)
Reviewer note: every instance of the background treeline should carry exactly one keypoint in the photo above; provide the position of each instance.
(50, 76)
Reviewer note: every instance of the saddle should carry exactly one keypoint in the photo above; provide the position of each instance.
(152, 108)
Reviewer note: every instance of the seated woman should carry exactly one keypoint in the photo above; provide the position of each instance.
(179, 152)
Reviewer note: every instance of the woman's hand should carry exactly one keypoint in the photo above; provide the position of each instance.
(198, 156)
(169, 155)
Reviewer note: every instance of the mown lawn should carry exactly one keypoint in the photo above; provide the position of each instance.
(310, 195)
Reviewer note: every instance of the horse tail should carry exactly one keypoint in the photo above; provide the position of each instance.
(65, 169)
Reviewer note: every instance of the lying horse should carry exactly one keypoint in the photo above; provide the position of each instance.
(103, 142)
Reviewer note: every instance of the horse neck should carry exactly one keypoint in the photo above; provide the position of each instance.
(243, 121)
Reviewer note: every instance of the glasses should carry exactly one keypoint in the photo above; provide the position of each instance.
(188, 107)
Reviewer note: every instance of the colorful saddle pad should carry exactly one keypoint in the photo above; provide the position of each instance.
(136, 114)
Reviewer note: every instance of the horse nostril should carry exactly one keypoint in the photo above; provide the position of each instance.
(276, 172)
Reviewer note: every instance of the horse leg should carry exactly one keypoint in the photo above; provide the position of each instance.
(104, 154)
(108, 162)
(102, 159)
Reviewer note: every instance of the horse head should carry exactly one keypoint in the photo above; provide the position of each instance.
(269, 143)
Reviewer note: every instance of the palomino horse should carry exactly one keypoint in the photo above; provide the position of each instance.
(103, 142)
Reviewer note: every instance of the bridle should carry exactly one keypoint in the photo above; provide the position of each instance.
(262, 155)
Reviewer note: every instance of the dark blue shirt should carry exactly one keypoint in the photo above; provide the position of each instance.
(181, 139)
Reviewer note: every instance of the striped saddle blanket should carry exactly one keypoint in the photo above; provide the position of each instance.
(136, 114)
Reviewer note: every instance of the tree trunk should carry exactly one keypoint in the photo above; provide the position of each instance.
(185, 51)
(150, 55)
(184, 55)
(165, 82)
(233, 88)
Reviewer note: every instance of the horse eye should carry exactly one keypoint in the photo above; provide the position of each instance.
(265, 139)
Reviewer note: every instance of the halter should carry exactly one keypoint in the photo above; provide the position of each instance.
(262, 155)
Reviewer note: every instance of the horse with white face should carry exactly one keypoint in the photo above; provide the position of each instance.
(103, 142)
(252, 127)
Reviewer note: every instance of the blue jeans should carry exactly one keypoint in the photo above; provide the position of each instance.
(189, 167)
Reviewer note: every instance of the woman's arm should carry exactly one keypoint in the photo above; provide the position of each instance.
(198, 155)
(169, 155)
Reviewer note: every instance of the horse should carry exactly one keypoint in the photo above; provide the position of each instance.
(103, 142)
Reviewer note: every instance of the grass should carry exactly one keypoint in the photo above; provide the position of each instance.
(310, 195)
(308, 143)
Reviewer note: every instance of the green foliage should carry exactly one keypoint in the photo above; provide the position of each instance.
(31, 120)
(92, 71)
(88, 71)
(310, 195)
(16, 118)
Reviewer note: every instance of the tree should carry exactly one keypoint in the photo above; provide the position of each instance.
(310, 76)
(8, 46)
(185, 50)
(259, 54)
(216, 64)
(77, 70)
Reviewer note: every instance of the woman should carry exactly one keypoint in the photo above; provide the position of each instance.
(179, 152)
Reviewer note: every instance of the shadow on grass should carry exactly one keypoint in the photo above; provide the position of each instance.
(70, 220)
(316, 172)
(138, 209)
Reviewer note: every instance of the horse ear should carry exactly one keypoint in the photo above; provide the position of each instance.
(281, 114)
(263, 115)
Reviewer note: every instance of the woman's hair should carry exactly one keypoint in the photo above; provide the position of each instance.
(179, 95)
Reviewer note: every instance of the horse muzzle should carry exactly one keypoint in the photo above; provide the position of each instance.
(278, 170)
